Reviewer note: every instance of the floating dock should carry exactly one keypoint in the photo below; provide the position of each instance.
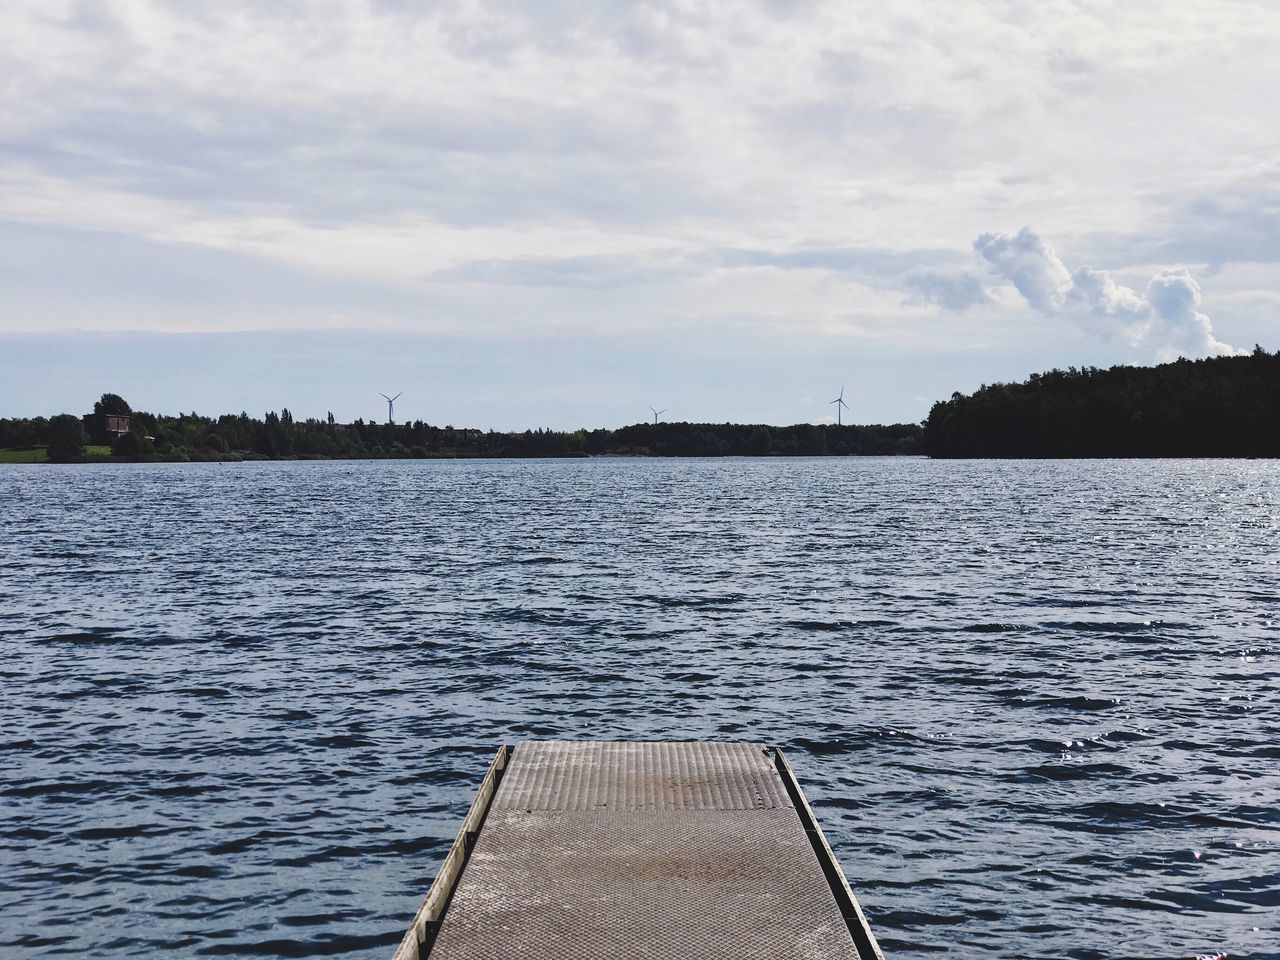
(605, 851)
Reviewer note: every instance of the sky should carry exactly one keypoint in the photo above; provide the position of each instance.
(561, 213)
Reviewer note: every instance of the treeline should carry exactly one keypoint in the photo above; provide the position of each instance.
(1220, 407)
(756, 440)
(189, 436)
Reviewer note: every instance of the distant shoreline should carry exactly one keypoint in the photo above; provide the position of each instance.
(479, 458)
(1220, 407)
(115, 432)
(17, 460)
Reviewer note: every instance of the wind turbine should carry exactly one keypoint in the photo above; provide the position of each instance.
(391, 406)
(656, 414)
(840, 404)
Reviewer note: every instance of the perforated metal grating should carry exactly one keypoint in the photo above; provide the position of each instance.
(552, 775)
(609, 851)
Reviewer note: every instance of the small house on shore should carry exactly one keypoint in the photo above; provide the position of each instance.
(105, 427)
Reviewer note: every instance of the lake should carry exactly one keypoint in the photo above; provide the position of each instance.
(244, 706)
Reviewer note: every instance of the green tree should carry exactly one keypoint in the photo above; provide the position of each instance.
(114, 404)
(760, 442)
(812, 441)
(264, 441)
(66, 437)
(131, 444)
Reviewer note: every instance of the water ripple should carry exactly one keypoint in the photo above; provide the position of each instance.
(245, 706)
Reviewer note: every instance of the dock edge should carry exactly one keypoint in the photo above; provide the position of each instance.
(426, 922)
(854, 918)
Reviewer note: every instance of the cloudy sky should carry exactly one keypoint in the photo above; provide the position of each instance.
(560, 213)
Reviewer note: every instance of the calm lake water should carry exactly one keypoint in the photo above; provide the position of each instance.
(244, 706)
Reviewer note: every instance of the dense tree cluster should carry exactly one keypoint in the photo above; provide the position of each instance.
(66, 437)
(189, 436)
(757, 440)
(1220, 407)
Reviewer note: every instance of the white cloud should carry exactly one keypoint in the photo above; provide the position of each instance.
(586, 272)
(818, 167)
(1178, 328)
(1027, 262)
(956, 291)
(1165, 319)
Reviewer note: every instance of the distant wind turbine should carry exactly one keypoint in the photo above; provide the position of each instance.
(840, 404)
(391, 406)
(657, 413)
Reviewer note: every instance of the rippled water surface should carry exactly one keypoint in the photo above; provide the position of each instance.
(244, 706)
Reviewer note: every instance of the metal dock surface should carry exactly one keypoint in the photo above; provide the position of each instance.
(603, 851)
